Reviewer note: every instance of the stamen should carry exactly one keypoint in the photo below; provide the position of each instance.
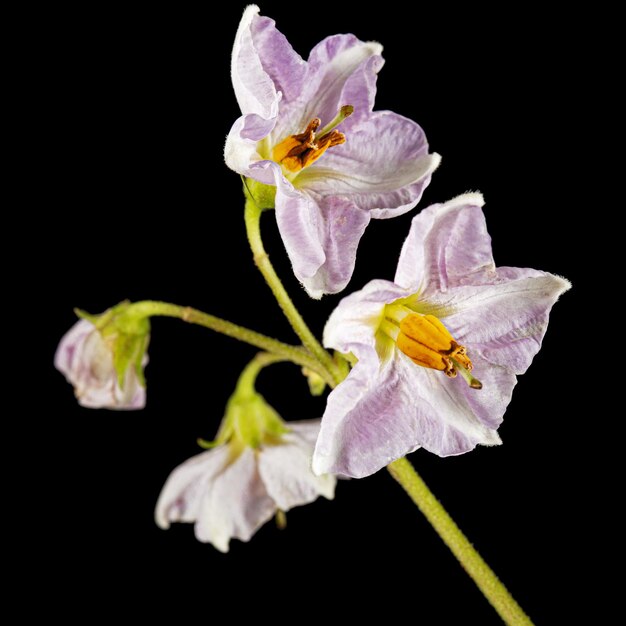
(345, 111)
(295, 145)
(472, 381)
(299, 151)
(427, 342)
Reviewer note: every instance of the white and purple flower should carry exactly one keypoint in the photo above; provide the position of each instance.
(231, 490)
(87, 359)
(329, 184)
(439, 349)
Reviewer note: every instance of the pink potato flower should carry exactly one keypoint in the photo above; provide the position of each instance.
(439, 349)
(328, 183)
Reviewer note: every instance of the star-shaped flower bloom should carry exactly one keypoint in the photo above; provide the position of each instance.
(329, 183)
(439, 349)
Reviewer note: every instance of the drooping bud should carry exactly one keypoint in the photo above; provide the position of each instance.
(103, 357)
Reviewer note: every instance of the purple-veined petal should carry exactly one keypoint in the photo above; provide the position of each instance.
(379, 414)
(285, 469)
(69, 347)
(490, 402)
(341, 70)
(298, 218)
(182, 493)
(341, 225)
(234, 504)
(383, 167)
(320, 239)
(506, 319)
(354, 321)
(279, 60)
(447, 245)
(254, 88)
(241, 149)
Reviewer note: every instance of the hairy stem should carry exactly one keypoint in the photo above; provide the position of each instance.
(484, 577)
(262, 261)
(295, 354)
(248, 376)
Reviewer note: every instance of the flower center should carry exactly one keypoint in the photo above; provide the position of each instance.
(299, 151)
(427, 342)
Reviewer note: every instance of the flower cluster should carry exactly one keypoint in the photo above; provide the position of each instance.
(427, 360)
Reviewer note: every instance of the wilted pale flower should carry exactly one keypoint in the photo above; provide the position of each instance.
(104, 363)
(259, 466)
(328, 183)
(449, 311)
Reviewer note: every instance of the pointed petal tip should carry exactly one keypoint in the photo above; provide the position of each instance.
(203, 535)
(320, 464)
(562, 284)
(251, 9)
(161, 520)
(375, 47)
(435, 161)
(473, 198)
(312, 292)
(492, 438)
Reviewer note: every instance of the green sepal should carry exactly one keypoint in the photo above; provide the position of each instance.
(207, 445)
(344, 362)
(250, 421)
(316, 383)
(264, 196)
(126, 334)
(128, 350)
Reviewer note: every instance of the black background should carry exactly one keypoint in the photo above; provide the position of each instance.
(133, 111)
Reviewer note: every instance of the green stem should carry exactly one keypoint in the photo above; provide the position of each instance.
(295, 354)
(249, 374)
(262, 261)
(484, 577)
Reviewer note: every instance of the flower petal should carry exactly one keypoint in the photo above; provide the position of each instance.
(181, 495)
(306, 430)
(241, 149)
(87, 363)
(341, 225)
(447, 244)
(378, 415)
(341, 70)
(320, 239)
(285, 469)
(66, 351)
(133, 396)
(299, 222)
(383, 167)
(234, 504)
(254, 88)
(504, 320)
(280, 61)
(354, 321)
(489, 403)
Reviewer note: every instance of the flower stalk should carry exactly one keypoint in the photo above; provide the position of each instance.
(294, 354)
(475, 566)
(262, 261)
